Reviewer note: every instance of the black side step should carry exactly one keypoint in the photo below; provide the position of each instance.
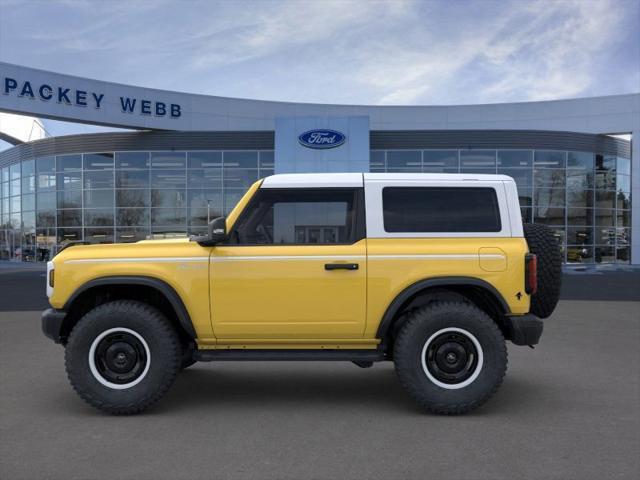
(277, 355)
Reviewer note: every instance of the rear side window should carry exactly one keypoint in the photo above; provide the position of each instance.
(440, 209)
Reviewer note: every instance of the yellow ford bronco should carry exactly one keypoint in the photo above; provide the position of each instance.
(431, 271)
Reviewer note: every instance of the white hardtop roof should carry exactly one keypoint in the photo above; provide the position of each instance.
(308, 180)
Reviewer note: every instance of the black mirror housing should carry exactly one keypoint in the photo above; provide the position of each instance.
(218, 229)
(217, 233)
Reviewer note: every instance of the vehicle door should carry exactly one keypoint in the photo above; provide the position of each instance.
(294, 267)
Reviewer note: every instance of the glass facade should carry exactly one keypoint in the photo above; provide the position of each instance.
(110, 197)
(107, 197)
(584, 197)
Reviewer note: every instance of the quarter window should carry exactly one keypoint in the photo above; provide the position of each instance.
(440, 209)
(299, 217)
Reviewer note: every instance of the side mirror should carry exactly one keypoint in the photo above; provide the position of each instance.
(217, 233)
(217, 230)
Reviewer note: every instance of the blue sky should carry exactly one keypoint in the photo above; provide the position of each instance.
(361, 52)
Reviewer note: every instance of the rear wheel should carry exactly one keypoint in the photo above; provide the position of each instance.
(450, 356)
(122, 356)
(546, 247)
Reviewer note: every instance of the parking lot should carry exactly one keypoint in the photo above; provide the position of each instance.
(570, 409)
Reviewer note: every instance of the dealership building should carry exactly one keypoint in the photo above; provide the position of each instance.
(186, 159)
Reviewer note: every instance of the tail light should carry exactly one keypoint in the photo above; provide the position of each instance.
(530, 273)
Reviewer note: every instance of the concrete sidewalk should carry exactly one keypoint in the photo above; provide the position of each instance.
(7, 265)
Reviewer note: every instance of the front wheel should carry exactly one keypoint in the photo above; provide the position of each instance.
(450, 356)
(123, 356)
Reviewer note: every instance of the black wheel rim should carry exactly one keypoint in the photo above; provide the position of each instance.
(120, 358)
(451, 357)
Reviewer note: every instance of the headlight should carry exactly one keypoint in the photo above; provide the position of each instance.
(50, 279)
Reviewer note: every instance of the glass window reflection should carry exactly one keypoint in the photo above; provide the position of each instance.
(205, 178)
(132, 216)
(605, 218)
(46, 200)
(440, 161)
(69, 180)
(583, 160)
(98, 179)
(204, 159)
(168, 198)
(132, 160)
(515, 158)
(132, 179)
(168, 178)
(28, 168)
(240, 178)
(240, 160)
(98, 217)
(406, 159)
(98, 199)
(477, 159)
(169, 217)
(267, 159)
(43, 165)
(624, 165)
(553, 178)
(97, 161)
(623, 183)
(168, 159)
(98, 235)
(559, 188)
(128, 235)
(133, 198)
(549, 159)
(69, 162)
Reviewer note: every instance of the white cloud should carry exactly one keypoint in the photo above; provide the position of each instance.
(338, 51)
(270, 28)
(542, 51)
(553, 56)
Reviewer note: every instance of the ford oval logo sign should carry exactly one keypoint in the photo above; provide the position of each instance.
(322, 138)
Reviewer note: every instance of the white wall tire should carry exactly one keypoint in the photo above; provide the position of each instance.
(477, 364)
(92, 359)
(102, 334)
(445, 327)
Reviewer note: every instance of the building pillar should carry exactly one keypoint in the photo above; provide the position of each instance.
(635, 197)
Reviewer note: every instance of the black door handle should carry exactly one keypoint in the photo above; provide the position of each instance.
(341, 266)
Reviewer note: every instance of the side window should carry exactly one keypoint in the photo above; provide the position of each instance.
(299, 217)
(440, 209)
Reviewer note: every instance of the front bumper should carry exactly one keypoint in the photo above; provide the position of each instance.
(524, 329)
(52, 323)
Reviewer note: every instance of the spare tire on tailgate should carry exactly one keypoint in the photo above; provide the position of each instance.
(546, 247)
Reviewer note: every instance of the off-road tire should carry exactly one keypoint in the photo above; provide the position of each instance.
(546, 247)
(163, 363)
(420, 327)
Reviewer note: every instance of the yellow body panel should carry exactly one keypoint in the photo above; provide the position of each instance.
(242, 203)
(275, 291)
(180, 263)
(396, 263)
(276, 296)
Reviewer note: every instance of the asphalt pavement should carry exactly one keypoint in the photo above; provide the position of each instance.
(570, 409)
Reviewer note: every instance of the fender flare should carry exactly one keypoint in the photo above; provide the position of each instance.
(411, 290)
(163, 287)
